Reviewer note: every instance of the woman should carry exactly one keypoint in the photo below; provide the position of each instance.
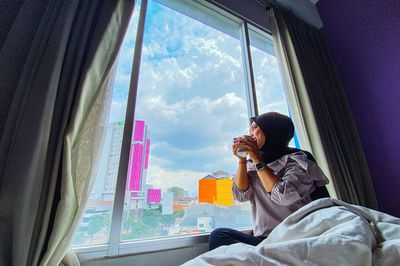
(277, 180)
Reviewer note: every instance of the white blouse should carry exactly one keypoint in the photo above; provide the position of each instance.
(298, 177)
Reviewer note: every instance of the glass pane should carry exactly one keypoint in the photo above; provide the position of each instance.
(269, 87)
(190, 104)
(95, 224)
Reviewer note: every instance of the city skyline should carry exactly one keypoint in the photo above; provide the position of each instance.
(138, 161)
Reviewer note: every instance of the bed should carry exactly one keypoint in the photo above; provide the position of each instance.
(324, 232)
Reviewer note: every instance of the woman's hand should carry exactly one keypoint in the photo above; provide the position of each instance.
(235, 146)
(247, 144)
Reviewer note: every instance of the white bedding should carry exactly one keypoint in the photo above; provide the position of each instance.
(324, 232)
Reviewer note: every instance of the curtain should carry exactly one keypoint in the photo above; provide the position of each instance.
(57, 61)
(313, 86)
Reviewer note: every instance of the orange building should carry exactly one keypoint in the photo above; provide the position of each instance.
(216, 190)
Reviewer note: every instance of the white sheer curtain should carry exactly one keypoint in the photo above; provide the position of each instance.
(81, 155)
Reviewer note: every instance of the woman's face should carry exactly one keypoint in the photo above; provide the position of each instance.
(257, 134)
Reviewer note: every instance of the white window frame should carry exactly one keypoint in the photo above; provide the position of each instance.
(115, 247)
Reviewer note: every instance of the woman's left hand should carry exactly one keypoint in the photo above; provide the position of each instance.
(250, 146)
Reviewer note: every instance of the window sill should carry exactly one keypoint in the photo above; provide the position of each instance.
(144, 246)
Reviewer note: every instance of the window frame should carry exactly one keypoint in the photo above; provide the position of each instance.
(115, 247)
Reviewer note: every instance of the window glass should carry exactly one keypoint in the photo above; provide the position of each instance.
(190, 104)
(270, 92)
(95, 224)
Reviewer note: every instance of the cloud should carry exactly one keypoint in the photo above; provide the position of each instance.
(269, 85)
(191, 94)
(164, 179)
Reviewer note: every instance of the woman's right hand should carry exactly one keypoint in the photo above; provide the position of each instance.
(235, 146)
(248, 145)
(237, 142)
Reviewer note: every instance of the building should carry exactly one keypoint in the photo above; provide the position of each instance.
(183, 203)
(107, 172)
(204, 217)
(138, 157)
(178, 192)
(141, 194)
(153, 196)
(167, 203)
(181, 199)
(104, 189)
(216, 190)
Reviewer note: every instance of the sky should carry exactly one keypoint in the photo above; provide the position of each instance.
(191, 95)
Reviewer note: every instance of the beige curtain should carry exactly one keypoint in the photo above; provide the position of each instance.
(81, 154)
(321, 109)
(57, 61)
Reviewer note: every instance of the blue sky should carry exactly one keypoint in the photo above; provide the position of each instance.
(191, 95)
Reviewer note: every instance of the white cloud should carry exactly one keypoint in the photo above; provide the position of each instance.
(191, 95)
(153, 49)
(122, 80)
(164, 179)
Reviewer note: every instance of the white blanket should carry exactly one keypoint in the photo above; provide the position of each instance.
(324, 232)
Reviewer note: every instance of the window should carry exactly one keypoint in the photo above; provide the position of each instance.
(191, 102)
(269, 86)
(194, 94)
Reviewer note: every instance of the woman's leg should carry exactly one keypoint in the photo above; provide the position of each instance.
(227, 236)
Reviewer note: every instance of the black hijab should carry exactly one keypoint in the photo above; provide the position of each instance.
(278, 130)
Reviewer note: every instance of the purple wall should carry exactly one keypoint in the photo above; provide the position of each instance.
(364, 40)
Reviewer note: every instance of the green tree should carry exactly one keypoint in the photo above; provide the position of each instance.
(98, 222)
(137, 229)
(152, 217)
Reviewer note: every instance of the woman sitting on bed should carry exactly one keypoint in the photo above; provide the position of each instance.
(277, 180)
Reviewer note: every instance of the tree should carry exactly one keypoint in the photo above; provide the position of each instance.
(137, 229)
(98, 222)
(152, 217)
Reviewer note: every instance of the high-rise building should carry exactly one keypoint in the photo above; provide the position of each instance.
(216, 190)
(106, 176)
(142, 195)
(137, 189)
(168, 203)
(139, 156)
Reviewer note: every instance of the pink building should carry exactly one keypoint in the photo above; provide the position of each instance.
(139, 148)
(153, 195)
(138, 165)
